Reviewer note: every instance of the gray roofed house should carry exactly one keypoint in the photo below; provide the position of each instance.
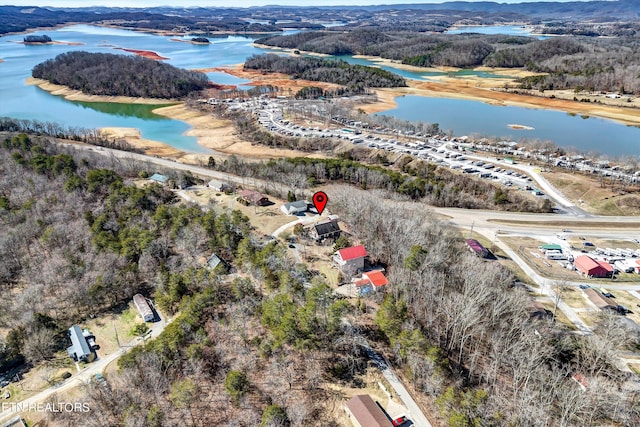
(79, 349)
(294, 208)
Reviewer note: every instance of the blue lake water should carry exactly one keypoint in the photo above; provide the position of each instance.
(463, 117)
(512, 30)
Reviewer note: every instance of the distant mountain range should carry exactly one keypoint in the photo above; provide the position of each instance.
(17, 19)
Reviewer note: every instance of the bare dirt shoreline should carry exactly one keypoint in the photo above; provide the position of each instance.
(76, 95)
(215, 134)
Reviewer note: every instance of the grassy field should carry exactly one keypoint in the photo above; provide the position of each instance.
(595, 197)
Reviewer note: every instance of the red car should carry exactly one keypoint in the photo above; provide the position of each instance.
(399, 421)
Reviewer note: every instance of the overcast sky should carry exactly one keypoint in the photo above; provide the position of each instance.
(221, 3)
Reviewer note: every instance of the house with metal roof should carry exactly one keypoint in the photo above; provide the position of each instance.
(373, 280)
(143, 307)
(159, 178)
(350, 259)
(364, 412)
(82, 344)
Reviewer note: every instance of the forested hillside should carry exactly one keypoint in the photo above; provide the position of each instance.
(119, 75)
(572, 62)
(325, 70)
(463, 335)
(80, 240)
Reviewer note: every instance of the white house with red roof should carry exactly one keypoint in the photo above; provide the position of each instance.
(350, 259)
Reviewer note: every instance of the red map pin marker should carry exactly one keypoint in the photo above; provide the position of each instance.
(320, 200)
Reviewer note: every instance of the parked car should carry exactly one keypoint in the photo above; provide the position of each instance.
(399, 421)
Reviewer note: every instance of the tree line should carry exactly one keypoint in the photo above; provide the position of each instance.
(120, 75)
(581, 63)
(37, 39)
(325, 70)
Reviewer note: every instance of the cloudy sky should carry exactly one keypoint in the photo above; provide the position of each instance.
(221, 3)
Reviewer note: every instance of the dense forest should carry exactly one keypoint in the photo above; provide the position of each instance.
(325, 70)
(120, 75)
(581, 63)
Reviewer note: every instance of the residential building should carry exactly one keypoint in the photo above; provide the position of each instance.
(592, 267)
(159, 178)
(143, 307)
(350, 259)
(250, 197)
(364, 412)
(373, 280)
(327, 229)
(83, 344)
(224, 187)
(295, 208)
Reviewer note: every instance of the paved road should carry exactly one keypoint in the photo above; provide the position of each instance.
(85, 375)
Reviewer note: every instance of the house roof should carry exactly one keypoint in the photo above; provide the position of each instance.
(551, 247)
(598, 299)
(252, 195)
(377, 278)
(213, 261)
(298, 204)
(361, 282)
(326, 227)
(367, 412)
(352, 253)
(475, 245)
(79, 344)
(159, 177)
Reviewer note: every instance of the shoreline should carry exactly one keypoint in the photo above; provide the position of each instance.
(77, 95)
(215, 134)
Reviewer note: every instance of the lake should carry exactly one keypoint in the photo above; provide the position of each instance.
(511, 30)
(464, 117)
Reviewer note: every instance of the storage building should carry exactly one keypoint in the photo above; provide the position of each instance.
(143, 308)
(477, 248)
(592, 267)
(364, 412)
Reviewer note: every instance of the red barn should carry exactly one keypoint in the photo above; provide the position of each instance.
(593, 267)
